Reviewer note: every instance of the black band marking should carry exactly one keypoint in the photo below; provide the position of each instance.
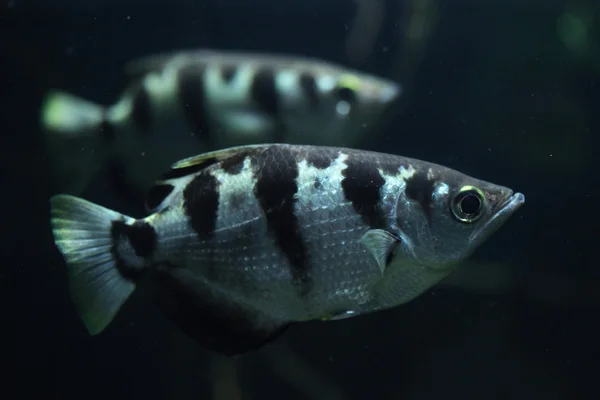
(309, 87)
(142, 238)
(234, 164)
(193, 102)
(321, 159)
(362, 185)
(264, 92)
(420, 189)
(276, 186)
(201, 204)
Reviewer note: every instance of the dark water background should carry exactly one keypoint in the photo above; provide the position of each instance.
(508, 91)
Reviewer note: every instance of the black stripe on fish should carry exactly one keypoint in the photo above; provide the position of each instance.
(228, 73)
(276, 186)
(321, 159)
(264, 92)
(141, 110)
(309, 87)
(234, 164)
(191, 89)
(362, 185)
(420, 189)
(141, 236)
(201, 204)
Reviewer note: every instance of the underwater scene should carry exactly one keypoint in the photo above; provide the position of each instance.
(302, 199)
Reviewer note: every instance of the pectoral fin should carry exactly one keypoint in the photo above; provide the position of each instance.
(381, 244)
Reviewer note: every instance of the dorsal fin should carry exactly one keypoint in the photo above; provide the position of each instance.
(182, 171)
(213, 157)
(153, 63)
(142, 66)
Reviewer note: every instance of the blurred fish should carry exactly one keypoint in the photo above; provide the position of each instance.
(254, 238)
(185, 103)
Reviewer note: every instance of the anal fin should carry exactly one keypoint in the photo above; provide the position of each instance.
(209, 316)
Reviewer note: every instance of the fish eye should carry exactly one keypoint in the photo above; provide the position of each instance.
(468, 204)
(347, 87)
(346, 94)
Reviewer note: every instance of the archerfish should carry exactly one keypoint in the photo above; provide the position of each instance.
(251, 239)
(179, 104)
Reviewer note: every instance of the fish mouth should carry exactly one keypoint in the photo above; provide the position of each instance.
(390, 92)
(511, 203)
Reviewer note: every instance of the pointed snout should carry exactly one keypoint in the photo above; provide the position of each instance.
(390, 92)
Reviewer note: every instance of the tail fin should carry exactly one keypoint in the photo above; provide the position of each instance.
(75, 147)
(68, 115)
(84, 234)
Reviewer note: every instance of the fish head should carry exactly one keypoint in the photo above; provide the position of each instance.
(444, 215)
(360, 98)
(348, 104)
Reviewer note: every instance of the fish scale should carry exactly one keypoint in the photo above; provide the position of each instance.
(331, 230)
(249, 240)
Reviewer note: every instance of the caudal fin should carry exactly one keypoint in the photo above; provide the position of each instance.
(84, 233)
(68, 115)
(73, 132)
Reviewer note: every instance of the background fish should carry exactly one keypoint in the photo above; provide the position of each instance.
(254, 238)
(184, 103)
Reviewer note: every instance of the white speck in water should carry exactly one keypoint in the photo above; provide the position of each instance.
(143, 153)
(385, 49)
(128, 17)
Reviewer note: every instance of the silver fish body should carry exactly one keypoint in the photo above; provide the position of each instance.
(185, 103)
(253, 238)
